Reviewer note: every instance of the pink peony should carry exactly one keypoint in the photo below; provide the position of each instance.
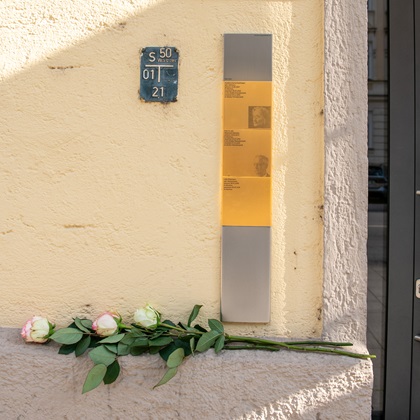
(106, 324)
(36, 330)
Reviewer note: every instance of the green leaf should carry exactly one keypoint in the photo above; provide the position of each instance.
(111, 347)
(176, 344)
(200, 328)
(167, 322)
(102, 356)
(137, 332)
(141, 342)
(157, 333)
(166, 351)
(194, 314)
(67, 336)
(94, 341)
(136, 351)
(192, 345)
(216, 325)
(128, 339)
(94, 378)
(80, 325)
(186, 338)
(86, 323)
(170, 373)
(112, 373)
(123, 349)
(175, 358)
(207, 340)
(154, 350)
(82, 345)
(112, 339)
(192, 330)
(160, 341)
(67, 348)
(220, 342)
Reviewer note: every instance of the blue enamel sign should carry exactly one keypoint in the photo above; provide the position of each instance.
(159, 74)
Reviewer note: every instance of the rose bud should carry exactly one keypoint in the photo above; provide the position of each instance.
(37, 330)
(147, 317)
(106, 324)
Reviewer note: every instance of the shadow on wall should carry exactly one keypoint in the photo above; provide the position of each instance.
(304, 177)
(346, 173)
(102, 188)
(319, 400)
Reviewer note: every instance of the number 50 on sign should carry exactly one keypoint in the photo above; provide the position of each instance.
(159, 74)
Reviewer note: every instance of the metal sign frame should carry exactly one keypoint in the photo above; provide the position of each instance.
(159, 74)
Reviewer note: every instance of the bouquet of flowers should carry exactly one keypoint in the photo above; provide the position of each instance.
(107, 338)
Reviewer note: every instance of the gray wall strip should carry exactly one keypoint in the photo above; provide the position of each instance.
(245, 274)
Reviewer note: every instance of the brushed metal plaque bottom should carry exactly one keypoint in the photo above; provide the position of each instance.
(246, 274)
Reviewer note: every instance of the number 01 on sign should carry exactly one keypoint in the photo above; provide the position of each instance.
(159, 74)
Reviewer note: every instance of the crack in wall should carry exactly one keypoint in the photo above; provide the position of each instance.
(77, 226)
(63, 67)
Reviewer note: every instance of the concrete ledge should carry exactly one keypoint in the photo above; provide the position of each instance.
(231, 385)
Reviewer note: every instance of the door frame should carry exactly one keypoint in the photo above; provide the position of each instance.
(402, 196)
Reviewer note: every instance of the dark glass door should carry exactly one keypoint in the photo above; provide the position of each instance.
(378, 193)
(415, 290)
(402, 384)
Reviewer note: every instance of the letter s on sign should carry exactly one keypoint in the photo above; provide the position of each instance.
(152, 56)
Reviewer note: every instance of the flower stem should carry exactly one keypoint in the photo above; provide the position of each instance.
(335, 351)
(251, 347)
(236, 338)
(179, 329)
(171, 327)
(297, 346)
(319, 343)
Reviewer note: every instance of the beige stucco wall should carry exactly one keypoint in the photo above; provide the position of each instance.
(109, 202)
(73, 250)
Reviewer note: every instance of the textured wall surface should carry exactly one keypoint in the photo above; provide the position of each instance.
(228, 386)
(109, 202)
(346, 170)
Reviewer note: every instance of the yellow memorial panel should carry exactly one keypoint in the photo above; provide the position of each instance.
(247, 105)
(247, 153)
(246, 201)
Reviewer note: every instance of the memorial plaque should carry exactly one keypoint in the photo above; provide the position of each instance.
(246, 183)
(159, 74)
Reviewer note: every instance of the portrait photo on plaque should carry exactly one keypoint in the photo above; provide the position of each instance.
(259, 116)
(261, 165)
(246, 153)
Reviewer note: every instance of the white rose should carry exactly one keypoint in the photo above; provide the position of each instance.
(106, 324)
(147, 317)
(36, 330)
